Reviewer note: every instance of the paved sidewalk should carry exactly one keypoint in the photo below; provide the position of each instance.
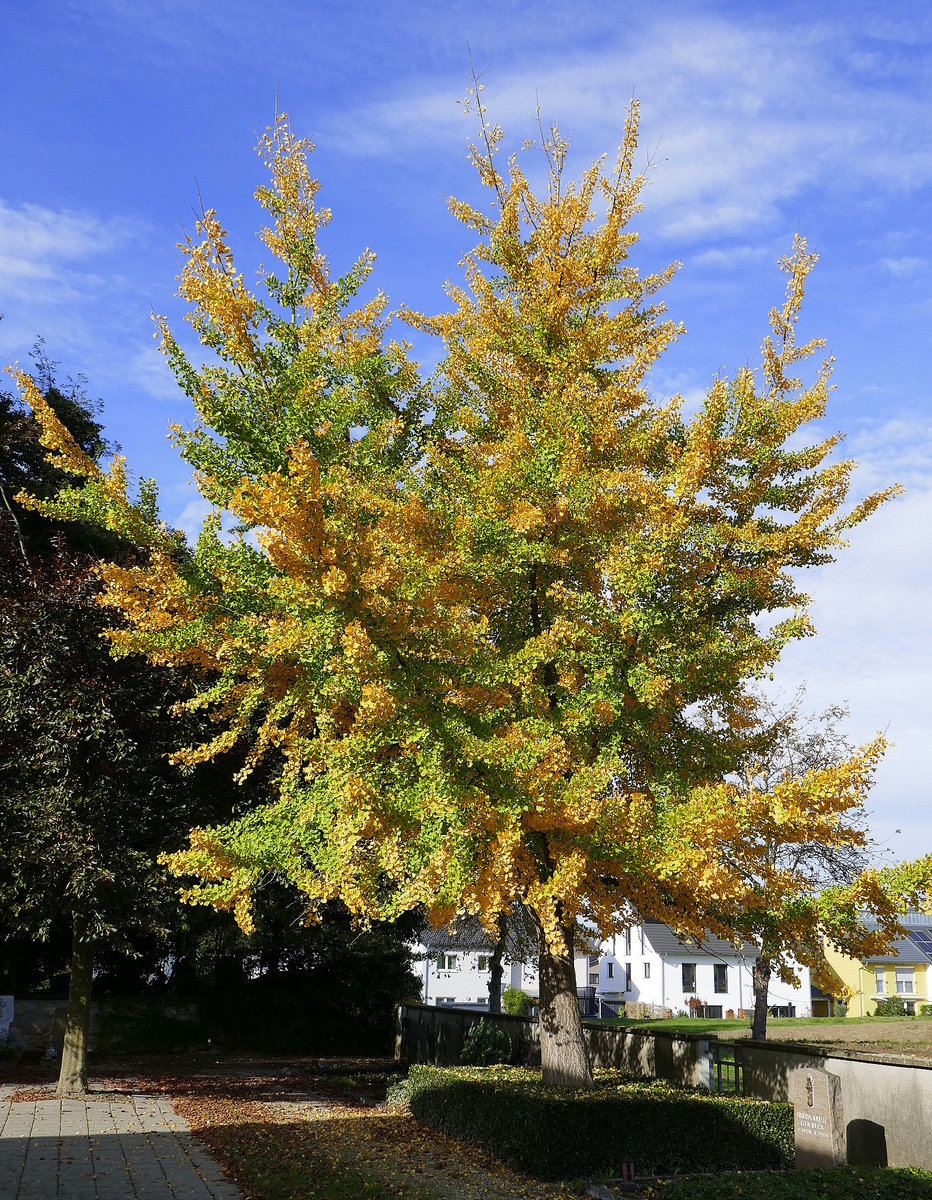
(131, 1147)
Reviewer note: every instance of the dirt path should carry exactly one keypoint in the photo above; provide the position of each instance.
(903, 1037)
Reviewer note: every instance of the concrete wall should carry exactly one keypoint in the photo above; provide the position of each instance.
(426, 1034)
(887, 1103)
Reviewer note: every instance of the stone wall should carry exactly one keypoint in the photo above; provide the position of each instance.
(117, 1023)
(426, 1034)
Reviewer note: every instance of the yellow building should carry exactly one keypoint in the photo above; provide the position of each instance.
(903, 973)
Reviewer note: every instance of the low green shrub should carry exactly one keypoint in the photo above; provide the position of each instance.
(925, 1010)
(554, 1133)
(398, 1096)
(516, 1003)
(842, 1183)
(485, 1045)
(891, 1006)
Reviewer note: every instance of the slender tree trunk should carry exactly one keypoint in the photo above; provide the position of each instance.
(495, 967)
(72, 1079)
(763, 969)
(563, 1055)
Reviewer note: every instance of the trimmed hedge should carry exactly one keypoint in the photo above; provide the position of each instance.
(557, 1134)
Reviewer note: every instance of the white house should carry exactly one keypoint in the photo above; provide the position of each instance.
(454, 967)
(646, 963)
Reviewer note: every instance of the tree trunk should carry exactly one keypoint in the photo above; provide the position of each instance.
(495, 967)
(563, 1054)
(72, 1079)
(763, 969)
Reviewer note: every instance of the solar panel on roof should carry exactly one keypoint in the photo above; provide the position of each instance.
(922, 938)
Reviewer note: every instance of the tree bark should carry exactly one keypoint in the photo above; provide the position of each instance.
(763, 969)
(495, 967)
(72, 1078)
(563, 1055)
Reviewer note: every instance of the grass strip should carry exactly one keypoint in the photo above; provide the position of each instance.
(842, 1183)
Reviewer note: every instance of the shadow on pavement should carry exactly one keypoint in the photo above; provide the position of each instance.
(109, 1166)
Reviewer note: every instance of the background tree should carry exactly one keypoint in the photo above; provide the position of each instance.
(481, 642)
(326, 987)
(796, 849)
(811, 862)
(87, 796)
(516, 935)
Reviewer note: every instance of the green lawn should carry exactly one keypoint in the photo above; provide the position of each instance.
(700, 1025)
(845, 1183)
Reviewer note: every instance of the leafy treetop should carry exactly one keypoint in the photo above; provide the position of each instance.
(500, 625)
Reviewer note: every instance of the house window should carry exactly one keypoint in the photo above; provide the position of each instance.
(485, 961)
(628, 941)
(448, 962)
(593, 970)
(611, 970)
(627, 976)
(445, 1001)
(721, 977)
(647, 970)
(689, 977)
(878, 978)
(904, 981)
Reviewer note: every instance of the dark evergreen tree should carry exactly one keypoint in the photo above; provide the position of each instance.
(88, 797)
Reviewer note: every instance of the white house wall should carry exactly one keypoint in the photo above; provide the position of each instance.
(468, 985)
(648, 977)
(636, 974)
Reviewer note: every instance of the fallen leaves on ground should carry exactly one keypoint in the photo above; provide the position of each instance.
(336, 1149)
(309, 1129)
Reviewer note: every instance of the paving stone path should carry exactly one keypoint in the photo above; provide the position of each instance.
(126, 1147)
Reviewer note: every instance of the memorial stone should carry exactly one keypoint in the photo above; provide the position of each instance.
(818, 1118)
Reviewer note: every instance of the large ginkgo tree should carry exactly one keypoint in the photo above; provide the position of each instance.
(501, 622)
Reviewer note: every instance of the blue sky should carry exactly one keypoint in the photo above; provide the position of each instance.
(759, 119)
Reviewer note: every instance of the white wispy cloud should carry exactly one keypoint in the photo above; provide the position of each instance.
(190, 519)
(52, 251)
(873, 648)
(147, 370)
(740, 117)
(900, 267)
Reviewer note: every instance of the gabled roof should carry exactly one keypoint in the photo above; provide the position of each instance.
(914, 946)
(903, 952)
(467, 935)
(459, 939)
(665, 941)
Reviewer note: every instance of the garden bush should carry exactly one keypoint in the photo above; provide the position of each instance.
(136, 1025)
(554, 1133)
(891, 1006)
(516, 1003)
(485, 1045)
(398, 1096)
